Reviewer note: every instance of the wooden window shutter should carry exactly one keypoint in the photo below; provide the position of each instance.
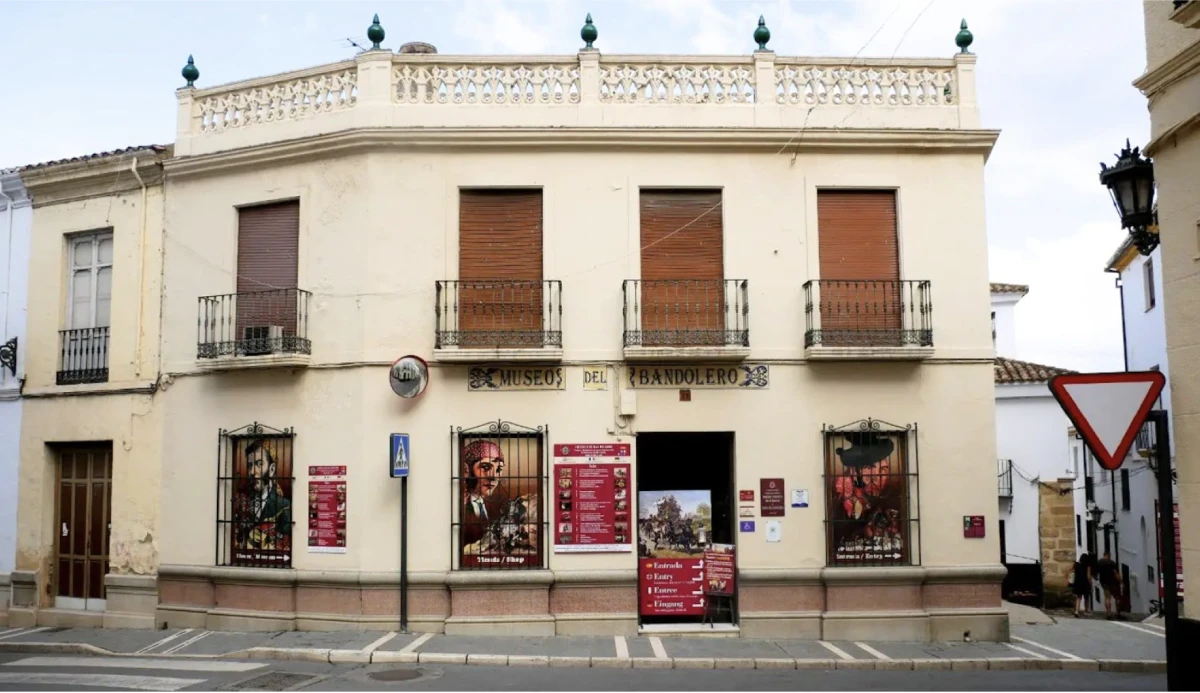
(268, 254)
(499, 266)
(683, 268)
(860, 291)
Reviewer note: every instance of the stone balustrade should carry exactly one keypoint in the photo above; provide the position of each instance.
(379, 89)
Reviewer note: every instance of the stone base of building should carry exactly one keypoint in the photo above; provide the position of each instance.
(130, 601)
(5, 591)
(916, 603)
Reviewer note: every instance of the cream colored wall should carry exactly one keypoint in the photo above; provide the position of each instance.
(130, 421)
(133, 423)
(1177, 172)
(377, 230)
(52, 225)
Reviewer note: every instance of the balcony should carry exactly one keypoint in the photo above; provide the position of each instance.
(480, 321)
(867, 320)
(686, 319)
(82, 356)
(258, 329)
(1004, 478)
(1187, 13)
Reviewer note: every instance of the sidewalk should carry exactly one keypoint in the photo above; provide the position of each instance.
(567, 651)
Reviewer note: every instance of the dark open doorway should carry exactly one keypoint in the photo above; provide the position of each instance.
(683, 472)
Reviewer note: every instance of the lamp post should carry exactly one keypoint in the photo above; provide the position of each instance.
(1130, 181)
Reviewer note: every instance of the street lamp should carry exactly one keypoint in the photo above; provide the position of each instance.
(1131, 183)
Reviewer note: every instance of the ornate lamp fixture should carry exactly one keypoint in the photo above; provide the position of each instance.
(1131, 183)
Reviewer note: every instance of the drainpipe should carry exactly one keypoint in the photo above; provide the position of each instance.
(8, 201)
(137, 365)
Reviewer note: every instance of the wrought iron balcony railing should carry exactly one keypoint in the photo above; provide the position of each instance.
(257, 323)
(1004, 478)
(82, 356)
(498, 313)
(686, 312)
(867, 313)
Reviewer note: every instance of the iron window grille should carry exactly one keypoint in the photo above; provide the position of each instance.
(499, 483)
(83, 356)
(872, 508)
(1004, 478)
(498, 313)
(873, 313)
(254, 497)
(686, 312)
(255, 323)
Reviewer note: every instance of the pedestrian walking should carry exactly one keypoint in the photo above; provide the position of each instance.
(1110, 582)
(1080, 579)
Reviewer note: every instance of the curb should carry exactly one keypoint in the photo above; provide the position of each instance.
(331, 656)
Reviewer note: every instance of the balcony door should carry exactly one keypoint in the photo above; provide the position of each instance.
(268, 253)
(682, 287)
(499, 289)
(859, 299)
(83, 523)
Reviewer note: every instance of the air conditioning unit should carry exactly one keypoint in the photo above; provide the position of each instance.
(260, 340)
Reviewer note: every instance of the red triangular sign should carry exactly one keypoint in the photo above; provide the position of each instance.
(1108, 408)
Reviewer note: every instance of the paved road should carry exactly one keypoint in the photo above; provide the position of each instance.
(41, 672)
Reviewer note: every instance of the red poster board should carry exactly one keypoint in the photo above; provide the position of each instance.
(671, 586)
(593, 503)
(719, 570)
(746, 495)
(1178, 552)
(327, 509)
(771, 492)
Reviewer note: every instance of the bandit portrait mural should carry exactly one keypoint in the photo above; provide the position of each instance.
(867, 494)
(262, 501)
(500, 482)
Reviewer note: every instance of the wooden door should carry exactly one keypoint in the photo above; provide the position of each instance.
(860, 298)
(500, 297)
(83, 522)
(683, 298)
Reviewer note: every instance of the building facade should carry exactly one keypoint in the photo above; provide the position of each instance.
(87, 498)
(1171, 84)
(14, 265)
(665, 301)
(1037, 539)
(1122, 507)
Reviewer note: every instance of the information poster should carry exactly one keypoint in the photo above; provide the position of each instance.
(771, 493)
(327, 509)
(1178, 552)
(592, 505)
(674, 529)
(719, 570)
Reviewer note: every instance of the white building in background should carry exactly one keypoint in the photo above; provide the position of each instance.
(1032, 446)
(1130, 534)
(16, 218)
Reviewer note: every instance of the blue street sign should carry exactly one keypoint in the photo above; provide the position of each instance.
(398, 464)
(747, 525)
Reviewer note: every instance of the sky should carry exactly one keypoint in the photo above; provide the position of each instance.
(1053, 75)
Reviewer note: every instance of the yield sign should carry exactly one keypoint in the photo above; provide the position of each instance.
(1108, 408)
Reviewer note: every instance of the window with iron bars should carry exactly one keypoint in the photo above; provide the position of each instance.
(499, 487)
(254, 497)
(872, 512)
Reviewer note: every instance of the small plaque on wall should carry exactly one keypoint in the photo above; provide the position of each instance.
(973, 526)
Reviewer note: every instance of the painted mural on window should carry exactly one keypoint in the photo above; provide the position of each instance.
(255, 489)
(868, 486)
(500, 487)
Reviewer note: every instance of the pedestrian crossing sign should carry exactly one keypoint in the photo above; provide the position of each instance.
(399, 455)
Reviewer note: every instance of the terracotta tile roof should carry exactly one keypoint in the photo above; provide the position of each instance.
(998, 288)
(1012, 371)
(156, 148)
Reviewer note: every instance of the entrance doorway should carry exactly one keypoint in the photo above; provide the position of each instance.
(685, 504)
(83, 520)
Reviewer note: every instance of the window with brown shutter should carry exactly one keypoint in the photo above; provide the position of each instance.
(860, 266)
(682, 286)
(268, 254)
(500, 287)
